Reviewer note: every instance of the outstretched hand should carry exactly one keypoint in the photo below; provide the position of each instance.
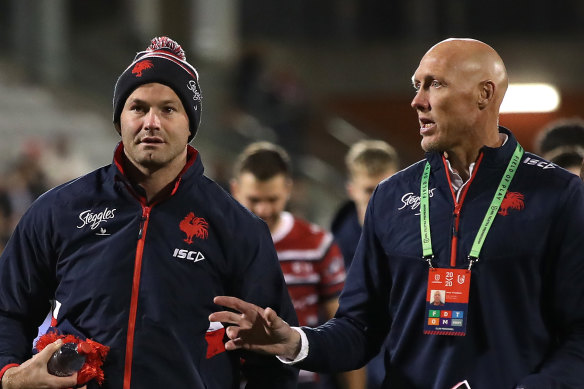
(256, 329)
(33, 373)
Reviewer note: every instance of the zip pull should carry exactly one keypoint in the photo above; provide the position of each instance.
(456, 215)
(145, 215)
(142, 221)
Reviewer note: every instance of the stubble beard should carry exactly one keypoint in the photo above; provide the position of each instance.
(429, 145)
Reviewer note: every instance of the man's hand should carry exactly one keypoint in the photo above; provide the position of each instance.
(256, 329)
(33, 373)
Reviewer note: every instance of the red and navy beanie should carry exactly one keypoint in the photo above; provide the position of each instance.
(164, 62)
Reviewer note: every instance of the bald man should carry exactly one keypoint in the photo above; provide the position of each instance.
(496, 228)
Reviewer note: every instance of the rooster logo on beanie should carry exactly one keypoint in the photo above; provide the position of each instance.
(140, 66)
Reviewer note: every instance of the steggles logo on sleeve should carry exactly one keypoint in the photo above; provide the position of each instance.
(194, 226)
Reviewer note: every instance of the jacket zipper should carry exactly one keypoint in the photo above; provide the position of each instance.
(135, 292)
(458, 207)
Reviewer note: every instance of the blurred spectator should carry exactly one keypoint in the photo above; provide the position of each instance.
(562, 142)
(28, 166)
(22, 183)
(37, 168)
(25, 181)
(60, 163)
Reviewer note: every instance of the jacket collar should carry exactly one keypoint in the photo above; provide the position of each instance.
(492, 156)
(192, 169)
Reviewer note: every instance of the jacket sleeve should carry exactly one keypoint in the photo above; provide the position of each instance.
(25, 289)
(355, 335)
(262, 283)
(564, 298)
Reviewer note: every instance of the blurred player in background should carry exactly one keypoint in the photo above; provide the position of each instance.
(311, 261)
(562, 142)
(368, 162)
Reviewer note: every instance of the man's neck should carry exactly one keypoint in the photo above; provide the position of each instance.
(461, 159)
(460, 163)
(155, 182)
(155, 187)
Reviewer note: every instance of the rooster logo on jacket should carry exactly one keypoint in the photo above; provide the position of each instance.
(512, 200)
(140, 66)
(194, 226)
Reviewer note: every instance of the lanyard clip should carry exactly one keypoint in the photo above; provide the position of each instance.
(471, 261)
(429, 259)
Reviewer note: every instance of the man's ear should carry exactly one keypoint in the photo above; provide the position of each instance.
(486, 93)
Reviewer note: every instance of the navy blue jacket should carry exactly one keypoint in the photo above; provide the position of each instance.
(526, 311)
(141, 278)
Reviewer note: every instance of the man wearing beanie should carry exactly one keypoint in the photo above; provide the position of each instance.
(131, 255)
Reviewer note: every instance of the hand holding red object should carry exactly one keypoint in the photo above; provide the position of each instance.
(95, 354)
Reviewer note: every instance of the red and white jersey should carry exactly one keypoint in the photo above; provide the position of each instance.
(312, 264)
(313, 267)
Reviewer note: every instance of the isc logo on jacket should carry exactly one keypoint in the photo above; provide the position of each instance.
(190, 255)
(193, 227)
